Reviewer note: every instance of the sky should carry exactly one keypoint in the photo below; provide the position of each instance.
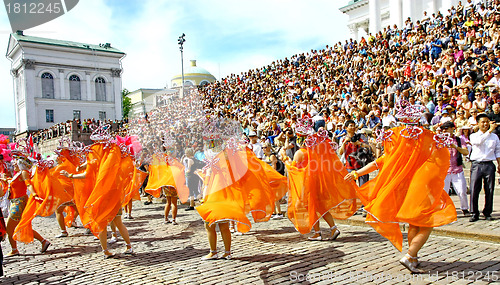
(224, 36)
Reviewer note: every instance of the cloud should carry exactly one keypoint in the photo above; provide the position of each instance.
(223, 36)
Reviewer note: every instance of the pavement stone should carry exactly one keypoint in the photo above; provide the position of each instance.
(271, 253)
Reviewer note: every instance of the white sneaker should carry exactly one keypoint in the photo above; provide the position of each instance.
(277, 216)
(62, 234)
(113, 240)
(128, 251)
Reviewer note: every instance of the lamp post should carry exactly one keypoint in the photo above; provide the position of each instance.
(181, 41)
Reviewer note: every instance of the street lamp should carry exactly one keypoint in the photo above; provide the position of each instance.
(181, 41)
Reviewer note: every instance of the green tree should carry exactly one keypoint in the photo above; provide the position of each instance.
(127, 103)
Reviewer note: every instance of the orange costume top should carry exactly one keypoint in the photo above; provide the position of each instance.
(167, 171)
(408, 187)
(240, 183)
(47, 186)
(17, 187)
(316, 187)
(107, 181)
(4, 185)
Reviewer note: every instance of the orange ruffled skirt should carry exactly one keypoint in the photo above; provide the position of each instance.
(409, 187)
(317, 187)
(240, 183)
(163, 173)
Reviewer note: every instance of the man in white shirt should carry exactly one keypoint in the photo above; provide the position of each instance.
(485, 149)
(255, 145)
(388, 120)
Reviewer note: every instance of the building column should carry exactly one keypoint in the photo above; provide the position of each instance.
(354, 31)
(407, 8)
(374, 14)
(116, 87)
(395, 13)
(29, 99)
(61, 85)
(431, 7)
(88, 86)
(362, 32)
(445, 5)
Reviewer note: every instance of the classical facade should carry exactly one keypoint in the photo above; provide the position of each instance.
(57, 80)
(371, 16)
(193, 76)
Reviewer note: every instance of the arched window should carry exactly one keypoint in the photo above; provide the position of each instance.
(75, 91)
(47, 86)
(204, 82)
(188, 83)
(100, 89)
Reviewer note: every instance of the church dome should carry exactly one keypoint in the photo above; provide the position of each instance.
(193, 76)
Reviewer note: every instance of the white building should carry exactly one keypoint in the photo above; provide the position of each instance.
(57, 80)
(371, 16)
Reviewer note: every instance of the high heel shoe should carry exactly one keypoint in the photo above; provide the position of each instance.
(227, 255)
(213, 256)
(334, 233)
(406, 262)
(315, 238)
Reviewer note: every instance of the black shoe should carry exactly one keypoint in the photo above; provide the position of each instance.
(189, 209)
(466, 213)
(473, 219)
(489, 218)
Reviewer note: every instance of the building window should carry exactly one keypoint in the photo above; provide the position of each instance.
(76, 114)
(75, 91)
(102, 115)
(47, 86)
(100, 89)
(49, 116)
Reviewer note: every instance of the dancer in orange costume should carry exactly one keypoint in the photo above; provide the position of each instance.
(409, 185)
(236, 183)
(19, 186)
(68, 159)
(316, 186)
(166, 174)
(105, 187)
(166, 171)
(48, 195)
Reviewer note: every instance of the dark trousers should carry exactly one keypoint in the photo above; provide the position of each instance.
(479, 172)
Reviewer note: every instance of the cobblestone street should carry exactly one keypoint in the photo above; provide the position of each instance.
(271, 253)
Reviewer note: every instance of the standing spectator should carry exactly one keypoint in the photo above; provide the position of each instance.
(495, 118)
(485, 149)
(349, 145)
(255, 145)
(456, 172)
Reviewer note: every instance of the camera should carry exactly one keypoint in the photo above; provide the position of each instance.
(355, 138)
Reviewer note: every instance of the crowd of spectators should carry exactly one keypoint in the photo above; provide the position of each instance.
(80, 126)
(446, 63)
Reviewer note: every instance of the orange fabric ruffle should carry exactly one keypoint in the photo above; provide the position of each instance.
(136, 179)
(163, 173)
(409, 187)
(317, 187)
(101, 194)
(53, 194)
(239, 184)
